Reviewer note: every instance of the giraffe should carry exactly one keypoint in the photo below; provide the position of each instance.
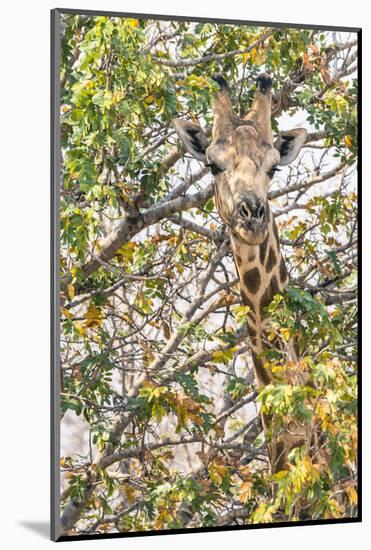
(243, 157)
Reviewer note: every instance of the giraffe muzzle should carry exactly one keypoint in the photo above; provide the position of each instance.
(250, 222)
(252, 212)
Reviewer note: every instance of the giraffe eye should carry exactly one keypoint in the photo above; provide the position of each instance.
(214, 168)
(272, 171)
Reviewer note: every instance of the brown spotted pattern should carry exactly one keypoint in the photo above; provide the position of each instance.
(262, 273)
(252, 280)
(272, 260)
(263, 251)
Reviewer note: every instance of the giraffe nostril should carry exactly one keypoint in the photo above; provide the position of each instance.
(252, 210)
(260, 212)
(245, 211)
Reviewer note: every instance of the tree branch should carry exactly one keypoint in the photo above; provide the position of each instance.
(131, 226)
(212, 57)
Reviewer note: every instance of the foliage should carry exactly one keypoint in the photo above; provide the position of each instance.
(156, 365)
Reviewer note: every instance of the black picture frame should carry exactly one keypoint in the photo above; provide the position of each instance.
(55, 280)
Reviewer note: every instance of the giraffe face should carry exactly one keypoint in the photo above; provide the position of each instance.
(243, 164)
(242, 157)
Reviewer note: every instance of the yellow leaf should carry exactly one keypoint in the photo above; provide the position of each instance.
(285, 334)
(229, 299)
(334, 430)
(104, 526)
(162, 519)
(245, 57)
(80, 329)
(196, 419)
(352, 494)
(219, 356)
(193, 117)
(245, 491)
(240, 313)
(276, 369)
(133, 22)
(348, 141)
(148, 384)
(93, 317)
(217, 473)
(66, 313)
(130, 493)
(244, 472)
(74, 273)
(323, 409)
(281, 474)
(71, 291)
(117, 96)
(191, 405)
(166, 329)
(263, 513)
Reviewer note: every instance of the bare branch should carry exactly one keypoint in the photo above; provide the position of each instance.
(131, 226)
(212, 57)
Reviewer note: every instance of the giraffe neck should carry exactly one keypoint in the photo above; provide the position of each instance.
(262, 274)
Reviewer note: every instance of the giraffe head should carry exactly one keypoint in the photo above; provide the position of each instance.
(242, 157)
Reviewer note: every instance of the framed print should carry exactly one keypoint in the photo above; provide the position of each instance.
(205, 280)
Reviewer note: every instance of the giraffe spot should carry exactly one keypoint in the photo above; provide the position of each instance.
(251, 330)
(283, 271)
(265, 299)
(274, 285)
(271, 290)
(238, 259)
(252, 280)
(263, 250)
(251, 256)
(271, 260)
(275, 232)
(246, 300)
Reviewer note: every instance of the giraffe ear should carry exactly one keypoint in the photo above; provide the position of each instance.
(193, 138)
(289, 144)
